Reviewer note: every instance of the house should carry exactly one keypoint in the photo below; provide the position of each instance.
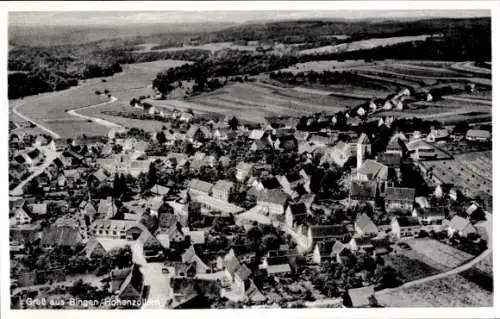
(445, 190)
(362, 297)
(339, 154)
(399, 198)
(405, 226)
(175, 160)
(198, 187)
(186, 117)
(273, 201)
(127, 286)
(185, 269)
(243, 170)
(20, 216)
(319, 233)
(428, 216)
(478, 135)
(210, 204)
(159, 190)
(364, 225)
(437, 135)
(256, 135)
(475, 212)
(391, 160)
(94, 249)
(322, 251)
(60, 236)
(277, 266)
(374, 171)
(397, 144)
(322, 140)
(222, 190)
(363, 149)
(362, 191)
(253, 293)
(295, 215)
(461, 226)
(358, 243)
(195, 134)
(191, 256)
(422, 202)
(340, 253)
(39, 209)
(107, 208)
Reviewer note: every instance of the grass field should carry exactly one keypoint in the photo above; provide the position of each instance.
(329, 65)
(48, 109)
(212, 47)
(437, 254)
(473, 177)
(451, 291)
(363, 44)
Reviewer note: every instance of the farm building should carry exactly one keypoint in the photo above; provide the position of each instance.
(437, 135)
(399, 198)
(364, 225)
(362, 191)
(478, 135)
(428, 216)
(405, 226)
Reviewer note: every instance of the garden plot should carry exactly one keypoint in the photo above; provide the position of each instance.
(408, 268)
(450, 291)
(478, 162)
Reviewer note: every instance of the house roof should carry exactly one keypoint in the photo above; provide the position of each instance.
(231, 263)
(105, 205)
(159, 189)
(478, 134)
(374, 169)
(218, 205)
(390, 159)
(337, 248)
(321, 139)
(278, 269)
(460, 223)
(422, 201)
(39, 209)
(366, 224)
(271, 183)
(325, 248)
(364, 189)
(439, 133)
(223, 186)
(61, 236)
(362, 241)
(100, 175)
(298, 209)
(326, 231)
(192, 131)
(360, 297)
(244, 166)
(199, 185)
(472, 208)
(256, 134)
(431, 211)
(363, 139)
(407, 221)
(243, 272)
(274, 196)
(400, 193)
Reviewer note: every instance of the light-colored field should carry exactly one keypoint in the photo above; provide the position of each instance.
(420, 70)
(451, 291)
(329, 65)
(445, 256)
(459, 173)
(363, 44)
(212, 47)
(49, 109)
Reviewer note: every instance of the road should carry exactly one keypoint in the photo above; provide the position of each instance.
(16, 112)
(159, 286)
(50, 156)
(470, 67)
(95, 119)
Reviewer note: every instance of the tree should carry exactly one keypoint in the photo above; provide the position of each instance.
(152, 175)
(233, 123)
(270, 242)
(160, 137)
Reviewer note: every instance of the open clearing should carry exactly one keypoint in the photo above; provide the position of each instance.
(49, 109)
(363, 44)
(437, 254)
(472, 177)
(451, 291)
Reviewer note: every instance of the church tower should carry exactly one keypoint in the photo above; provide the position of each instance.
(363, 149)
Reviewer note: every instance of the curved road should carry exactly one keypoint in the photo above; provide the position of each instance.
(95, 119)
(16, 111)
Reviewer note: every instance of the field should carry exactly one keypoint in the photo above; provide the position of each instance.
(212, 47)
(254, 101)
(331, 65)
(409, 269)
(363, 44)
(437, 254)
(451, 291)
(472, 177)
(49, 109)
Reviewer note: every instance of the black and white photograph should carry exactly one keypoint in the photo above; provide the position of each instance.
(249, 159)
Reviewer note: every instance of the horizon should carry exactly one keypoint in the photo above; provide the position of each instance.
(124, 18)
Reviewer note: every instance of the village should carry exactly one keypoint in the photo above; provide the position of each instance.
(212, 212)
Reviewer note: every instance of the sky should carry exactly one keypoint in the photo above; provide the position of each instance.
(110, 18)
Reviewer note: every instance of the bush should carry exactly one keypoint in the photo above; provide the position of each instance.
(97, 92)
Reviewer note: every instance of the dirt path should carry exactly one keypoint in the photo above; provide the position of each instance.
(95, 119)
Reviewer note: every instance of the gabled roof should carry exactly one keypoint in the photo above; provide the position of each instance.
(363, 139)
(400, 193)
(366, 224)
(273, 196)
(337, 248)
(472, 208)
(199, 185)
(159, 189)
(244, 166)
(363, 189)
(243, 272)
(374, 169)
(407, 221)
(39, 209)
(390, 159)
(440, 133)
(256, 134)
(298, 209)
(61, 236)
(192, 131)
(223, 185)
(327, 231)
(478, 134)
(231, 263)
